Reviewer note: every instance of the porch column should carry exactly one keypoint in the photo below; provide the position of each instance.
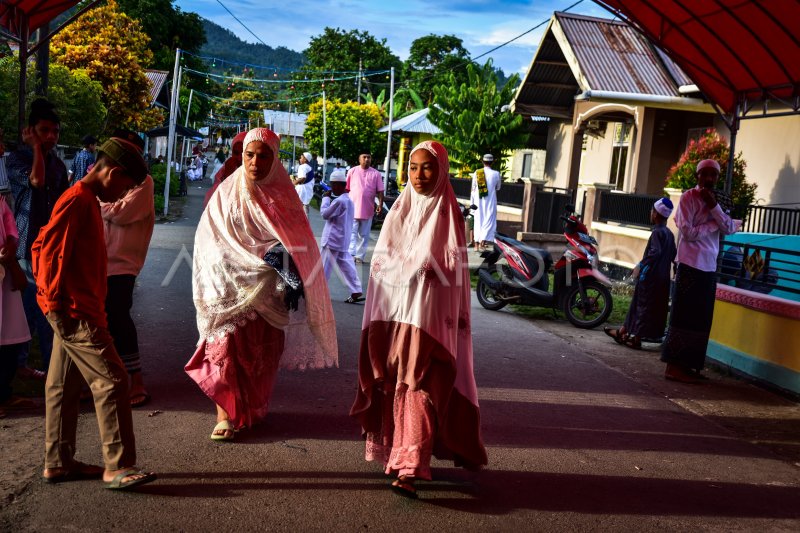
(642, 146)
(575, 159)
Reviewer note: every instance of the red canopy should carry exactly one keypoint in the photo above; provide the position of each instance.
(736, 51)
(37, 12)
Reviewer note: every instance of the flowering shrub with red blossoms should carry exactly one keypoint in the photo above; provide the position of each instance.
(712, 146)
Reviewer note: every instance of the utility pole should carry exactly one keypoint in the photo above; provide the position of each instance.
(358, 95)
(389, 134)
(173, 106)
(324, 136)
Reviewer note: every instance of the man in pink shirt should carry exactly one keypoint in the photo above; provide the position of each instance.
(701, 221)
(365, 184)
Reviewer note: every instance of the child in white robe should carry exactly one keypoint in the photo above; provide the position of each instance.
(338, 211)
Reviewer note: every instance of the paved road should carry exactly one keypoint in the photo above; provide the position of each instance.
(580, 437)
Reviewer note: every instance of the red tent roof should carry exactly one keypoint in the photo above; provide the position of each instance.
(736, 51)
(38, 12)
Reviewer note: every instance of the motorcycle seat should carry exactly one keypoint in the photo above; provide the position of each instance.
(540, 253)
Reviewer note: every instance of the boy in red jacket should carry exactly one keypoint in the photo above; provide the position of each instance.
(69, 264)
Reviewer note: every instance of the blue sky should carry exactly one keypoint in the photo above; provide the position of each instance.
(481, 24)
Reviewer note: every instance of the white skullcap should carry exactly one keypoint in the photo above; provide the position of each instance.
(339, 177)
(307, 155)
(664, 207)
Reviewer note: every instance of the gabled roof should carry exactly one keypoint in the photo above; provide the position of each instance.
(737, 51)
(584, 55)
(414, 123)
(157, 79)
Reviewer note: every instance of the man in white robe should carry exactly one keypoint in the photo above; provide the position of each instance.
(485, 184)
(304, 182)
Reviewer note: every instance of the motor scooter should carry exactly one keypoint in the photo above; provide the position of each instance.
(513, 272)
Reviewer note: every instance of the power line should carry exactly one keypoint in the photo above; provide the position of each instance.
(472, 59)
(242, 23)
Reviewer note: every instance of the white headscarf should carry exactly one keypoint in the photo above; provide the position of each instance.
(420, 273)
(231, 281)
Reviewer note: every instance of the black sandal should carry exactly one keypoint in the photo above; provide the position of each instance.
(614, 334)
(633, 342)
(404, 487)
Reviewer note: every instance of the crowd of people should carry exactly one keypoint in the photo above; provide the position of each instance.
(72, 247)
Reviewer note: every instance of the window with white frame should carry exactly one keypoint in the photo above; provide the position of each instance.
(619, 154)
(527, 163)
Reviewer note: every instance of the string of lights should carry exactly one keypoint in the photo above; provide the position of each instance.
(282, 101)
(275, 68)
(282, 81)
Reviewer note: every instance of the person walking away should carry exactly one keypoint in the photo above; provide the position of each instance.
(647, 314)
(485, 184)
(38, 178)
(83, 160)
(260, 297)
(14, 332)
(128, 225)
(365, 184)
(219, 160)
(229, 167)
(701, 221)
(337, 210)
(416, 389)
(69, 264)
(304, 182)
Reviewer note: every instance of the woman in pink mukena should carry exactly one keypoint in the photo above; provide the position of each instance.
(417, 394)
(261, 298)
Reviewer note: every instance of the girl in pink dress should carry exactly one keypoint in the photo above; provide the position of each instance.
(417, 395)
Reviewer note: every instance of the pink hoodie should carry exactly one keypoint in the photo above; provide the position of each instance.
(129, 225)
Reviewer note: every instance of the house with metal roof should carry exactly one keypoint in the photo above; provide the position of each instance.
(620, 110)
(620, 114)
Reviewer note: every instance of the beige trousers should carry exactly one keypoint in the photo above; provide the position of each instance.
(82, 349)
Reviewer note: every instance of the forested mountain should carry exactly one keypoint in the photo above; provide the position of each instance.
(223, 44)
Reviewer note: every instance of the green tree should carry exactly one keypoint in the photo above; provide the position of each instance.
(79, 101)
(406, 101)
(168, 28)
(472, 118)
(712, 146)
(352, 128)
(112, 49)
(77, 98)
(431, 61)
(337, 50)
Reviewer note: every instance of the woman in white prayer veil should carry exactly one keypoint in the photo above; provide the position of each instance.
(417, 395)
(261, 297)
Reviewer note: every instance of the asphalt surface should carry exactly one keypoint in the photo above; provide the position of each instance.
(582, 435)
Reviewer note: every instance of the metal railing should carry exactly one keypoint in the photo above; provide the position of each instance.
(759, 268)
(510, 194)
(462, 187)
(630, 209)
(550, 204)
(766, 219)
